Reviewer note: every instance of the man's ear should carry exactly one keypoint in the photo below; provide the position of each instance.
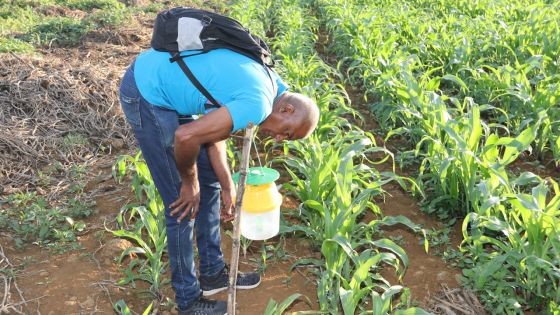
(287, 108)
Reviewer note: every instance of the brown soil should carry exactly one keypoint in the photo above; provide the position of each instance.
(83, 282)
(426, 272)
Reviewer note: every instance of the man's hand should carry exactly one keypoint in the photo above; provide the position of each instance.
(228, 208)
(212, 127)
(188, 202)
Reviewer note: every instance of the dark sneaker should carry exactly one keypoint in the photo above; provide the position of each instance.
(203, 306)
(219, 282)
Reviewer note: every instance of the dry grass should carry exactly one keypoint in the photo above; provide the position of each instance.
(52, 110)
(457, 301)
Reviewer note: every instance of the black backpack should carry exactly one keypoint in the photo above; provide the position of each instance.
(180, 29)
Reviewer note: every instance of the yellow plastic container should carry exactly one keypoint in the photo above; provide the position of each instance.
(260, 211)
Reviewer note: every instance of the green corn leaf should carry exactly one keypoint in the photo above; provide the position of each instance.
(362, 270)
(307, 262)
(457, 80)
(121, 308)
(476, 132)
(148, 309)
(489, 203)
(392, 291)
(400, 219)
(130, 250)
(392, 246)
(379, 307)
(517, 145)
(347, 301)
(526, 178)
(528, 202)
(287, 302)
(344, 243)
(127, 234)
(487, 270)
(271, 307)
(539, 195)
(313, 204)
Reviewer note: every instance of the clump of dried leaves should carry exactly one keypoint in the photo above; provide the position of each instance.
(50, 111)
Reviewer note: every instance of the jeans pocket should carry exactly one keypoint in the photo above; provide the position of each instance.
(131, 109)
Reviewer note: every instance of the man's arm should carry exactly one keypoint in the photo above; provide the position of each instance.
(217, 154)
(210, 128)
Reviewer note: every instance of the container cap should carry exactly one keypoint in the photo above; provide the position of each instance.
(258, 176)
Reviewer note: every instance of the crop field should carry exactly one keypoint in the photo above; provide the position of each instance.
(430, 185)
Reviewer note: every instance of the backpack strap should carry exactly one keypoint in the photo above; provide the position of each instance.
(274, 85)
(176, 57)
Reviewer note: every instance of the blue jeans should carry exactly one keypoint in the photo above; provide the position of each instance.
(154, 128)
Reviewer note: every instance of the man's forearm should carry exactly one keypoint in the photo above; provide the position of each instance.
(217, 154)
(186, 153)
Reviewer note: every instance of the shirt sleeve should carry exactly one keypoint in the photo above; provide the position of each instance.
(282, 86)
(251, 108)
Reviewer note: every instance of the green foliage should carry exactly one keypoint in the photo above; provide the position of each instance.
(142, 224)
(27, 24)
(330, 171)
(89, 5)
(32, 219)
(122, 308)
(107, 18)
(519, 221)
(63, 31)
(15, 45)
(472, 85)
(74, 139)
(17, 19)
(274, 308)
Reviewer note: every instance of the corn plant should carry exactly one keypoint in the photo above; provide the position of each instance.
(521, 226)
(312, 164)
(333, 224)
(275, 308)
(122, 308)
(416, 72)
(556, 150)
(143, 225)
(382, 304)
(333, 190)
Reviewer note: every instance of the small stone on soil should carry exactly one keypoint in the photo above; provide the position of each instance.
(89, 302)
(112, 249)
(441, 276)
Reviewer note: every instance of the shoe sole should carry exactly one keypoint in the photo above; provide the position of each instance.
(244, 287)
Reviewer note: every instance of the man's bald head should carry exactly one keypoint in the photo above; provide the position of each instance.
(294, 116)
(306, 112)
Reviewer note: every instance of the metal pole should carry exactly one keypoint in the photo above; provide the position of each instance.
(236, 232)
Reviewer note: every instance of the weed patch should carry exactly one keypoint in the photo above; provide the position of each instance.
(63, 31)
(15, 45)
(89, 5)
(32, 220)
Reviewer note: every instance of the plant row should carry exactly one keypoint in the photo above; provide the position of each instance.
(332, 174)
(473, 85)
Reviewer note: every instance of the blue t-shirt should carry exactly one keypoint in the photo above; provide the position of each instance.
(235, 81)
